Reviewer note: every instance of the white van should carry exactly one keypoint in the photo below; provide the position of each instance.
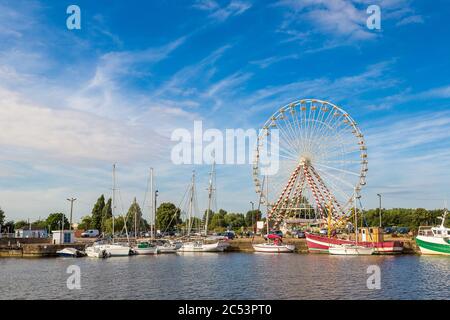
(91, 233)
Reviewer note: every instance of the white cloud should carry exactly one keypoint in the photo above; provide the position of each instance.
(222, 13)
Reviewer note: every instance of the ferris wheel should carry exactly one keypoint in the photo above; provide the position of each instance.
(322, 162)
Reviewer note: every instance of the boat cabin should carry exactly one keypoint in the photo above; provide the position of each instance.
(370, 234)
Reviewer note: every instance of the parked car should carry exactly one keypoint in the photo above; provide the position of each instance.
(91, 233)
(229, 234)
(403, 230)
(298, 234)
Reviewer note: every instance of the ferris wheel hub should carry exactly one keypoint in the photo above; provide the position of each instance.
(305, 160)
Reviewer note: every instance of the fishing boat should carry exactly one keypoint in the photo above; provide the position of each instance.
(321, 244)
(70, 253)
(371, 238)
(145, 248)
(434, 240)
(96, 252)
(351, 250)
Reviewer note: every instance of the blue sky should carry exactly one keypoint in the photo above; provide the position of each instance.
(72, 102)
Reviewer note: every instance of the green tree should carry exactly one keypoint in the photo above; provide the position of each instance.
(41, 224)
(2, 217)
(118, 225)
(8, 227)
(234, 221)
(54, 221)
(86, 223)
(251, 217)
(20, 224)
(106, 212)
(97, 213)
(135, 211)
(167, 217)
(217, 222)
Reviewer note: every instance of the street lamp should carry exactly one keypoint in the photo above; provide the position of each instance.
(154, 216)
(379, 196)
(71, 200)
(253, 215)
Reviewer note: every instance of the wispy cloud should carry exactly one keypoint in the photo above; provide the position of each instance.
(222, 12)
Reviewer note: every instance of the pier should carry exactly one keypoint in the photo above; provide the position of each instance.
(35, 248)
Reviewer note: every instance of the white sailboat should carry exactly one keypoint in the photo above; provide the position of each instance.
(276, 245)
(201, 245)
(352, 249)
(112, 249)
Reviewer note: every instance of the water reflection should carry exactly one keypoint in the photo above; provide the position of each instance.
(228, 276)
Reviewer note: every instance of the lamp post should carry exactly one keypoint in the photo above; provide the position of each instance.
(253, 215)
(379, 196)
(71, 200)
(154, 216)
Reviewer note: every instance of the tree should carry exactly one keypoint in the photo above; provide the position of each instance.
(86, 223)
(118, 225)
(20, 224)
(8, 227)
(2, 217)
(251, 217)
(54, 221)
(135, 211)
(217, 222)
(97, 213)
(106, 212)
(167, 217)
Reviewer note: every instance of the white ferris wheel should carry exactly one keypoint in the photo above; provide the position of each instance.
(322, 161)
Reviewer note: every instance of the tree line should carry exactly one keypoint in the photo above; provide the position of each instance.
(168, 218)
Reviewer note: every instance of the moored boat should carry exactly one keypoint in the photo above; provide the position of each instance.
(273, 248)
(96, 252)
(276, 246)
(321, 244)
(351, 250)
(70, 253)
(201, 246)
(434, 240)
(145, 248)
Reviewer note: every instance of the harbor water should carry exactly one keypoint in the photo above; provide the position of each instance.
(227, 276)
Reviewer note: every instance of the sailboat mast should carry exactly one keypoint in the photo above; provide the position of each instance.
(267, 193)
(356, 217)
(151, 202)
(113, 200)
(191, 203)
(210, 192)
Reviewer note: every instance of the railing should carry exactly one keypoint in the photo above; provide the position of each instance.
(7, 235)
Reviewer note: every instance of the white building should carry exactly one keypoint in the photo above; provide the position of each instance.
(65, 236)
(32, 232)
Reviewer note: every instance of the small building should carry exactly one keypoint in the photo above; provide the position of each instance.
(63, 236)
(33, 232)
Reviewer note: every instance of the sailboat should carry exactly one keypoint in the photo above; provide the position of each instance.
(352, 249)
(274, 242)
(112, 249)
(201, 245)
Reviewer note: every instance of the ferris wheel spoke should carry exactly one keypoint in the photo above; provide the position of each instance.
(336, 178)
(340, 170)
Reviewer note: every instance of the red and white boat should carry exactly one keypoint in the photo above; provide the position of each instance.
(318, 243)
